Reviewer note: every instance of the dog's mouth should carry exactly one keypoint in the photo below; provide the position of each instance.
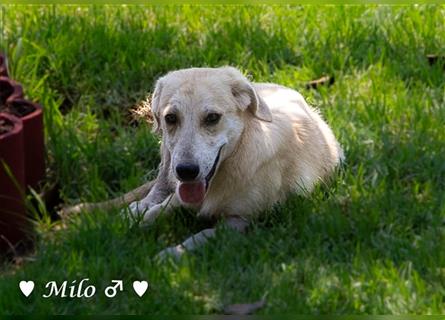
(213, 170)
(194, 192)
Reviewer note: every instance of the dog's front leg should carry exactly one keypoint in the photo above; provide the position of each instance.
(160, 191)
(233, 222)
(165, 207)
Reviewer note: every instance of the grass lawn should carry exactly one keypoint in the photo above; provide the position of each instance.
(371, 242)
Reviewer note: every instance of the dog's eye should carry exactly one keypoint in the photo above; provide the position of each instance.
(171, 118)
(212, 118)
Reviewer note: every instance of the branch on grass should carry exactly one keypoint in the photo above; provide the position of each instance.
(323, 81)
(125, 199)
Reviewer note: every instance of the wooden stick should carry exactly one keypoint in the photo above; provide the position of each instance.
(125, 199)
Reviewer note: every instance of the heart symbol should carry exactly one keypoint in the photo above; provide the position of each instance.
(26, 287)
(140, 287)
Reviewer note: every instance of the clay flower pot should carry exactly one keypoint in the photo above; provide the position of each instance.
(32, 117)
(13, 222)
(9, 90)
(12, 102)
(3, 66)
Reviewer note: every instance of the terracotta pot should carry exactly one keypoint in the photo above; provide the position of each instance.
(32, 117)
(13, 222)
(3, 66)
(9, 90)
(12, 101)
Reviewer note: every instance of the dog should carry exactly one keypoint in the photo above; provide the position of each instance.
(231, 149)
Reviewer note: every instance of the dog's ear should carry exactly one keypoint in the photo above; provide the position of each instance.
(246, 96)
(155, 106)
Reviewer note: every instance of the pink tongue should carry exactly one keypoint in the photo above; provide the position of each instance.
(192, 192)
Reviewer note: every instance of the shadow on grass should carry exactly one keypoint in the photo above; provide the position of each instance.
(113, 57)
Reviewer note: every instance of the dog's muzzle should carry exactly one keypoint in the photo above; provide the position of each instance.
(193, 192)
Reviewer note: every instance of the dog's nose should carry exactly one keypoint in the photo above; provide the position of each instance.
(187, 171)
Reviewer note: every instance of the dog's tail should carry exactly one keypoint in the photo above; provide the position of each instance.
(125, 199)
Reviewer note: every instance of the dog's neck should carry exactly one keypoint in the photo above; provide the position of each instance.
(252, 136)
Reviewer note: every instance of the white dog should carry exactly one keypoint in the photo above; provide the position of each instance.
(231, 148)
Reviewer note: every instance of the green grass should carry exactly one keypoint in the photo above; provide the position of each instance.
(371, 242)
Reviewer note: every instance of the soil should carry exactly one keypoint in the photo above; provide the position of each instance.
(5, 92)
(5, 126)
(20, 108)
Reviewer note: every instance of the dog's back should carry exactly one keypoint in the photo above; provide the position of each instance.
(311, 144)
(290, 154)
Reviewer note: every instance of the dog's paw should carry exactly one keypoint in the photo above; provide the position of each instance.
(135, 211)
(151, 214)
(136, 208)
(174, 252)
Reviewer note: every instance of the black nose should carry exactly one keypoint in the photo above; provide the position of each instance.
(187, 171)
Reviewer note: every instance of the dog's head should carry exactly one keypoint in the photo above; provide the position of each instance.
(201, 114)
